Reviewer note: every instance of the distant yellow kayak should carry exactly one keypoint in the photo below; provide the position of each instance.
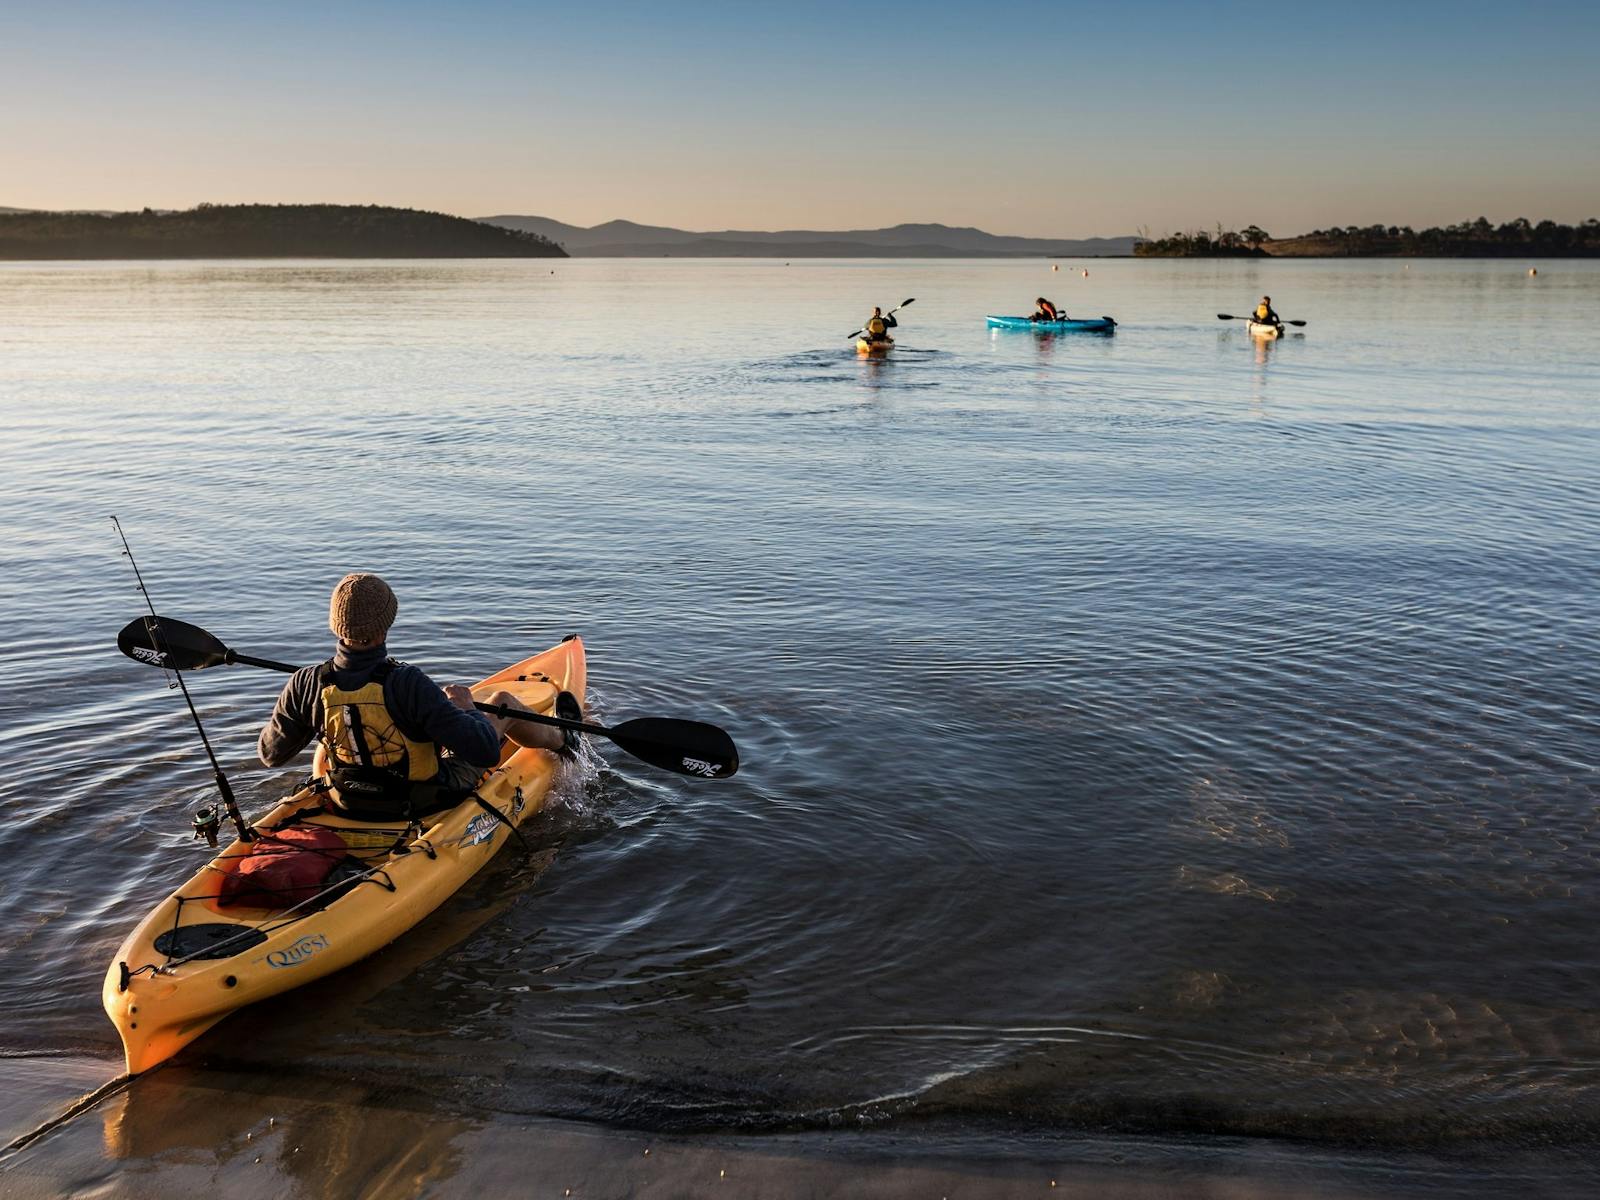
(191, 962)
(863, 346)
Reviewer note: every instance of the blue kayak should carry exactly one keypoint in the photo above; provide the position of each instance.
(1092, 325)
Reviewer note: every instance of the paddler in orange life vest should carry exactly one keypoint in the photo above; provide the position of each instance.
(1264, 313)
(397, 745)
(878, 325)
(1043, 310)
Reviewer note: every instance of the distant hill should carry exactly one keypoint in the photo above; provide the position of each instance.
(263, 231)
(627, 239)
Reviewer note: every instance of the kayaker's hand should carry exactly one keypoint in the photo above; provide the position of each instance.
(460, 696)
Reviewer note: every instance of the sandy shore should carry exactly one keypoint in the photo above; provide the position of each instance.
(189, 1131)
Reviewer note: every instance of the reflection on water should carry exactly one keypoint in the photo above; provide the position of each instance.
(1166, 732)
(328, 1139)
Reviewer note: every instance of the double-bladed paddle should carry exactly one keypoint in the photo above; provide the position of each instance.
(687, 747)
(1231, 317)
(890, 313)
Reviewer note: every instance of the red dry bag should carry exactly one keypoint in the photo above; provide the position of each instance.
(283, 868)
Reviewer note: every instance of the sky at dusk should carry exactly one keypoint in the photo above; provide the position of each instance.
(1058, 119)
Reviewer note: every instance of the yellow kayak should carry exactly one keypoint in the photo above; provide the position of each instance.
(863, 346)
(192, 962)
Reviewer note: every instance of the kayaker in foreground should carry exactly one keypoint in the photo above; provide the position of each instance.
(1045, 311)
(878, 326)
(1264, 313)
(398, 745)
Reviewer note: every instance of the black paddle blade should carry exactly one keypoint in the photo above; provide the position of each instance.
(1226, 317)
(170, 644)
(687, 747)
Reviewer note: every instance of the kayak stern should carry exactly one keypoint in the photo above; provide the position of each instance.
(136, 1008)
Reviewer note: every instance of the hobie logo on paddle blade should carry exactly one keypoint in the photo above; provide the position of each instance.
(699, 766)
(293, 956)
(145, 654)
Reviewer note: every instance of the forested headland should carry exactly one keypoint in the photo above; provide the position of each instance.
(263, 231)
(1469, 239)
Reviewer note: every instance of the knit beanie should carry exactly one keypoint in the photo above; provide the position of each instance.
(362, 609)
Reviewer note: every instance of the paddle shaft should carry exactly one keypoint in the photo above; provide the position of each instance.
(1231, 317)
(496, 710)
(234, 656)
(686, 747)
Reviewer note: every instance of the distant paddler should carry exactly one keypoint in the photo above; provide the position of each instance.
(1044, 310)
(878, 325)
(1264, 322)
(874, 335)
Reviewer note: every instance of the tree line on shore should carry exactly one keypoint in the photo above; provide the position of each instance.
(264, 231)
(1468, 239)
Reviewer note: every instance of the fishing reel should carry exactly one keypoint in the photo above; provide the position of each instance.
(206, 823)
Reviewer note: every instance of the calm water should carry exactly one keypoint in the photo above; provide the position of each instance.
(1159, 733)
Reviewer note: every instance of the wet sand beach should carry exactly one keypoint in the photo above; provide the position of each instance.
(214, 1131)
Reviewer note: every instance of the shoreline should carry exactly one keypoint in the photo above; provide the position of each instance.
(188, 1130)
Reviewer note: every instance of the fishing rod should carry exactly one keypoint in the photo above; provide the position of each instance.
(205, 819)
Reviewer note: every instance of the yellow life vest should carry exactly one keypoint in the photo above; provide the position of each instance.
(361, 738)
(876, 328)
(1262, 312)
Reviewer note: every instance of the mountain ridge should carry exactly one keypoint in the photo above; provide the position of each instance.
(625, 239)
